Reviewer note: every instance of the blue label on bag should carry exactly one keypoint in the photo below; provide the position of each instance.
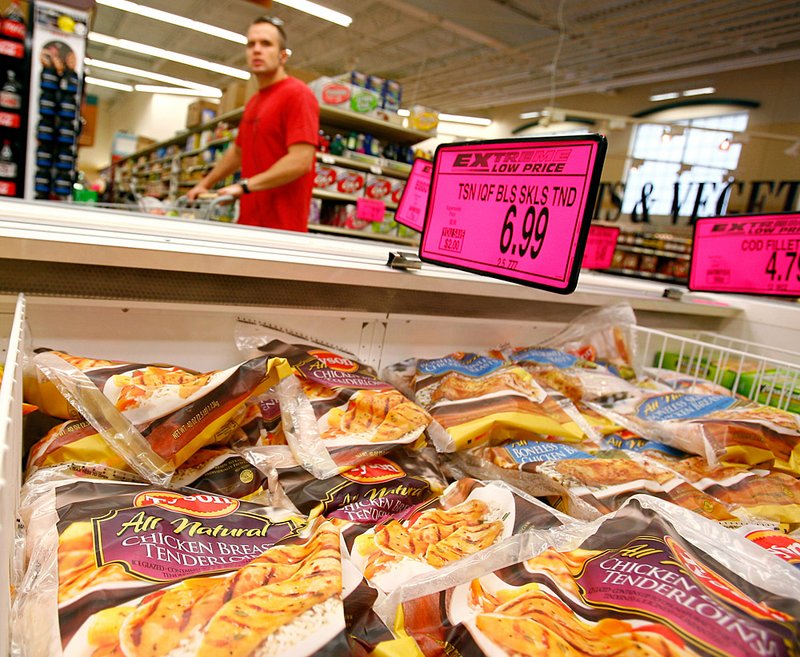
(468, 364)
(531, 451)
(636, 444)
(680, 406)
(554, 357)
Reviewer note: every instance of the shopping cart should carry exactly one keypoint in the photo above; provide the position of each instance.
(207, 207)
(759, 372)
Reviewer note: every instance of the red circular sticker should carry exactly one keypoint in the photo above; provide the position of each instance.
(335, 361)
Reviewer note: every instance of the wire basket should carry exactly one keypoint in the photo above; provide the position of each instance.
(764, 374)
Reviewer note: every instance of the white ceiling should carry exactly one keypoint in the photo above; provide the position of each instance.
(471, 55)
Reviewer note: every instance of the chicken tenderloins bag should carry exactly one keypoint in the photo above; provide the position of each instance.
(133, 570)
(650, 580)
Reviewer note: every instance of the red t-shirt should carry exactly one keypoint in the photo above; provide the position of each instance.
(276, 117)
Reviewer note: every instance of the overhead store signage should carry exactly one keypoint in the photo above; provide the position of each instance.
(751, 254)
(600, 246)
(516, 209)
(411, 209)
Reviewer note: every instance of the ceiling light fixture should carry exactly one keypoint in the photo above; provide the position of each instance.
(133, 46)
(319, 11)
(700, 91)
(140, 73)
(98, 82)
(670, 95)
(530, 115)
(176, 91)
(174, 19)
(468, 120)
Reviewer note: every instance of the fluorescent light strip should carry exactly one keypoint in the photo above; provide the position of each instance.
(174, 19)
(141, 48)
(667, 96)
(158, 77)
(530, 115)
(468, 120)
(699, 91)
(108, 83)
(319, 11)
(176, 91)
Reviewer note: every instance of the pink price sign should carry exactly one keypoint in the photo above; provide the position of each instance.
(411, 209)
(370, 209)
(516, 209)
(750, 254)
(600, 246)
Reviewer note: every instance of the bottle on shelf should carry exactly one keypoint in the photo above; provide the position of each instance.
(324, 143)
(12, 23)
(11, 92)
(338, 145)
(8, 165)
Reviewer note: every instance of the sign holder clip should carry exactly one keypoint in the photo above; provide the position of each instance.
(404, 260)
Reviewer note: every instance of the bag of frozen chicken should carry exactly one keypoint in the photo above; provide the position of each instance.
(127, 569)
(476, 399)
(650, 580)
(153, 417)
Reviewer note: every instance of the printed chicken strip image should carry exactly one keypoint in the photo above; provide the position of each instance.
(381, 415)
(231, 615)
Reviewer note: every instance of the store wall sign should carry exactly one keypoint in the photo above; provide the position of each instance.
(516, 209)
(697, 199)
(756, 254)
(600, 247)
(370, 209)
(411, 209)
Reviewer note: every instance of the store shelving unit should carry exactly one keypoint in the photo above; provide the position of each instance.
(139, 172)
(652, 256)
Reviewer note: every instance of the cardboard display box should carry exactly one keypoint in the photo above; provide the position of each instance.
(199, 112)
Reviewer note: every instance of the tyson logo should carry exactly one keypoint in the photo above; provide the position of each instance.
(200, 506)
(334, 361)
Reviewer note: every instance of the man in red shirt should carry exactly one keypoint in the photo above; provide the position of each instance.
(276, 145)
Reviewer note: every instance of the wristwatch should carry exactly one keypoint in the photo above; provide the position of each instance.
(244, 186)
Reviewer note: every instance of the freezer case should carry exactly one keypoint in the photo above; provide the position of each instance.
(148, 289)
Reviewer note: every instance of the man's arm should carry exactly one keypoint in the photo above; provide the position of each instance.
(228, 164)
(297, 162)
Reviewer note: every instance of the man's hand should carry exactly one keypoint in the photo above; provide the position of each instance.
(234, 190)
(195, 191)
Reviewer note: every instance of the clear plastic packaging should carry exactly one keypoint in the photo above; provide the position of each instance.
(152, 417)
(649, 579)
(477, 399)
(336, 413)
(131, 569)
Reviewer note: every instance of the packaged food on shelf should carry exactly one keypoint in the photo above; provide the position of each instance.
(650, 579)
(378, 187)
(152, 417)
(117, 564)
(470, 517)
(477, 399)
(341, 414)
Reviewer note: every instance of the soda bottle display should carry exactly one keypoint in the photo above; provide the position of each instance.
(8, 165)
(11, 92)
(12, 23)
